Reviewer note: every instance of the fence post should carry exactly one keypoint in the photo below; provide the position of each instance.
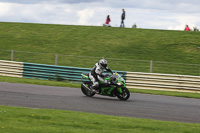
(199, 71)
(151, 66)
(56, 61)
(12, 55)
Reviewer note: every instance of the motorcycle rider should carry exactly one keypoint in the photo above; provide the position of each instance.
(95, 74)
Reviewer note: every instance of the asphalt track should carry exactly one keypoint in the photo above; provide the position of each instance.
(157, 107)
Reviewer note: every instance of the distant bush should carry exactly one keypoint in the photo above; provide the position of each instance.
(134, 26)
(195, 28)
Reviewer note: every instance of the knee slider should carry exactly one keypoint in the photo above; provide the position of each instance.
(96, 84)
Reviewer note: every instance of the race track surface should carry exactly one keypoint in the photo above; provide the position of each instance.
(157, 107)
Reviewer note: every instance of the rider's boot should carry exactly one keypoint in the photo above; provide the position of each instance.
(94, 89)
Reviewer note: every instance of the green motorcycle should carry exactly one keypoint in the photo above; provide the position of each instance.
(116, 88)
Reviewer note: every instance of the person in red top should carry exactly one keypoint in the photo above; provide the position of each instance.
(187, 28)
(108, 21)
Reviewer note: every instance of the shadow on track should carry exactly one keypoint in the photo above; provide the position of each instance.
(106, 98)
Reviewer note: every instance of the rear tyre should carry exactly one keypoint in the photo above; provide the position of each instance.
(86, 91)
(124, 95)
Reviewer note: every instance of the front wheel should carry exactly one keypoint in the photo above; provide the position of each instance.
(86, 91)
(124, 95)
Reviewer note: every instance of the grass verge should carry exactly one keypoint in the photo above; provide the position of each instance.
(26, 120)
(38, 43)
(39, 82)
(76, 85)
(167, 93)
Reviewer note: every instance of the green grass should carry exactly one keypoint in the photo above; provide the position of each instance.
(168, 93)
(25, 120)
(76, 85)
(39, 82)
(139, 46)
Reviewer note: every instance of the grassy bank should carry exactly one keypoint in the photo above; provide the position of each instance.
(138, 46)
(75, 85)
(23, 120)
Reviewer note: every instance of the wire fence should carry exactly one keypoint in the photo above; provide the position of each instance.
(88, 62)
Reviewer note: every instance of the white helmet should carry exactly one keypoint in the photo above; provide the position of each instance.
(103, 63)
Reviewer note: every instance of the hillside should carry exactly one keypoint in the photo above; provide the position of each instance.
(134, 44)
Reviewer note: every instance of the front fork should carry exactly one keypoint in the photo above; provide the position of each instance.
(119, 89)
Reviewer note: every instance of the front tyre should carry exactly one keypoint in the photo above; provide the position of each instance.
(124, 95)
(86, 91)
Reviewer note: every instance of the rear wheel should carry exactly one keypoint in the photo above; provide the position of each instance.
(86, 91)
(124, 95)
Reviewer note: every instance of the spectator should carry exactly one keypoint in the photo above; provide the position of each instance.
(123, 18)
(107, 21)
(187, 28)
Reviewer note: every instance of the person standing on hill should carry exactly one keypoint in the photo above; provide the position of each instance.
(123, 18)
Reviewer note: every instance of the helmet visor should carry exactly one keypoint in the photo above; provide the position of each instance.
(104, 65)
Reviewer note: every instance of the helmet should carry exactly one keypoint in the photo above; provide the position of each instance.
(103, 63)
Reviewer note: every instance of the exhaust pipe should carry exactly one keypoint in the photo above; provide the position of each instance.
(85, 86)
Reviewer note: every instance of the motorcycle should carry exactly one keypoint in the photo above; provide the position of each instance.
(117, 88)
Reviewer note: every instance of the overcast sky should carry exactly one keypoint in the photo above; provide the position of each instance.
(150, 14)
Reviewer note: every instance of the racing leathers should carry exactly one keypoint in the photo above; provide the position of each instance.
(96, 75)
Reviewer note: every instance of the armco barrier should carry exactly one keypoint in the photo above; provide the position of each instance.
(11, 68)
(171, 82)
(48, 72)
(152, 81)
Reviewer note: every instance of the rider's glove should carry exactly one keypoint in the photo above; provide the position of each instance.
(107, 82)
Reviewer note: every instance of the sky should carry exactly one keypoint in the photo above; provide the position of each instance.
(148, 14)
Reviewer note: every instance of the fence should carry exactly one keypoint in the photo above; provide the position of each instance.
(52, 72)
(11, 69)
(42, 71)
(137, 80)
(170, 82)
(116, 64)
